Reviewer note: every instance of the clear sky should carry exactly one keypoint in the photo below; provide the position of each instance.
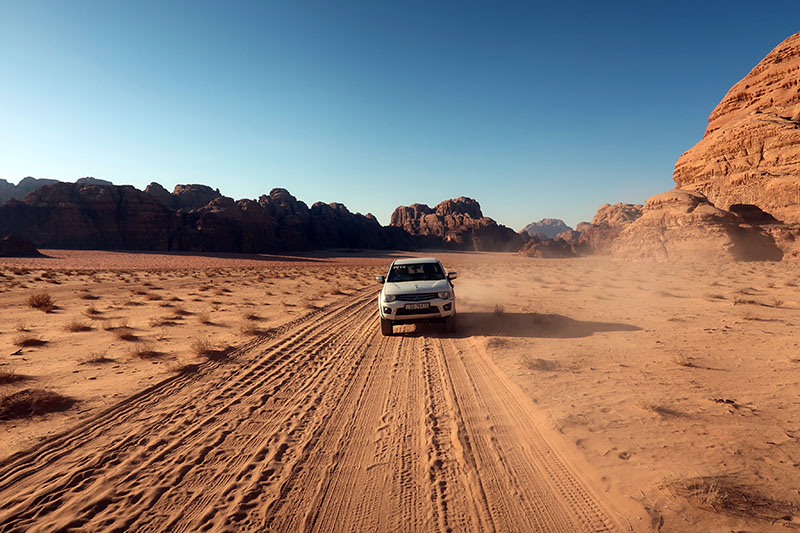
(535, 109)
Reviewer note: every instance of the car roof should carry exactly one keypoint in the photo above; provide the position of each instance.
(416, 261)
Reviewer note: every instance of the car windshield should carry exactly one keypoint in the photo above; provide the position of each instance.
(418, 272)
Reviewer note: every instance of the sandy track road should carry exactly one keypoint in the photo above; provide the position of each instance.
(323, 426)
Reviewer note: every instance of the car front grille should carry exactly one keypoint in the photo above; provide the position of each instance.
(419, 297)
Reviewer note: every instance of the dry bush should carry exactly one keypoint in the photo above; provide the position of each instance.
(87, 296)
(202, 346)
(205, 348)
(7, 378)
(41, 301)
(76, 325)
(21, 327)
(125, 334)
(156, 322)
(24, 341)
(31, 402)
(713, 296)
(146, 351)
(250, 330)
(251, 316)
(536, 363)
(92, 312)
(179, 311)
(741, 300)
(499, 309)
(724, 494)
(110, 325)
(154, 297)
(204, 318)
(96, 359)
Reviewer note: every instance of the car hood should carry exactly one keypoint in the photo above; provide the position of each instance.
(412, 287)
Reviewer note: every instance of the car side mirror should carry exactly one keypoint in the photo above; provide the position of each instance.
(380, 279)
(452, 275)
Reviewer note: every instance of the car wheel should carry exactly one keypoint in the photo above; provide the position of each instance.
(450, 324)
(386, 327)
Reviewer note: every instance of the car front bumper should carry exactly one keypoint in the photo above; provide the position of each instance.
(400, 312)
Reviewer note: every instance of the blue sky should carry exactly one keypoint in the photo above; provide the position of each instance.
(534, 109)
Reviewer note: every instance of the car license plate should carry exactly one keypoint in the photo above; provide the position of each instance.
(418, 306)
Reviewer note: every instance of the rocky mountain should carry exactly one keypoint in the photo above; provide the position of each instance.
(92, 181)
(685, 225)
(546, 228)
(192, 196)
(20, 190)
(86, 215)
(458, 224)
(750, 152)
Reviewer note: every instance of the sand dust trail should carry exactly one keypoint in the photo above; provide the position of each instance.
(322, 426)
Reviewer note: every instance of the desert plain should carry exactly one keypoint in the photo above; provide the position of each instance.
(255, 392)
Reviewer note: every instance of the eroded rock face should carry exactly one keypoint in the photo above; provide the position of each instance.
(750, 153)
(686, 226)
(15, 246)
(193, 196)
(617, 214)
(72, 215)
(546, 228)
(556, 248)
(458, 224)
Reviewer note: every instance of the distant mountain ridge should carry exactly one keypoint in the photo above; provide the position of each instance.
(546, 228)
(95, 214)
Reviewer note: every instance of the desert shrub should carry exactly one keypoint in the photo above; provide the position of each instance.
(24, 341)
(7, 378)
(146, 351)
(31, 402)
(41, 301)
(76, 325)
(205, 348)
(499, 309)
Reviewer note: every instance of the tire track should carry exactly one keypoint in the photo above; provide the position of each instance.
(323, 425)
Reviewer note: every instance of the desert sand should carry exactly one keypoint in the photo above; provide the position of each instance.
(255, 393)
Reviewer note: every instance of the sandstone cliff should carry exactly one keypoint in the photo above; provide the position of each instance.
(685, 225)
(457, 223)
(750, 153)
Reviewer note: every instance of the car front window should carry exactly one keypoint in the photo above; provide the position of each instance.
(416, 272)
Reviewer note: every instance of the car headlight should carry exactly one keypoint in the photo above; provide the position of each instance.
(388, 297)
(444, 295)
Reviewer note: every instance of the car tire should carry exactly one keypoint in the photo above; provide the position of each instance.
(450, 324)
(386, 327)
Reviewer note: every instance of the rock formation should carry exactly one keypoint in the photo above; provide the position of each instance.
(548, 248)
(10, 191)
(72, 215)
(546, 228)
(685, 225)
(15, 246)
(92, 181)
(750, 153)
(457, 223)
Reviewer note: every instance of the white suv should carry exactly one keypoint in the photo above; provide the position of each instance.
(416, 290)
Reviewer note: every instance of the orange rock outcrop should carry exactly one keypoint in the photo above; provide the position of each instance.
(750, 153)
